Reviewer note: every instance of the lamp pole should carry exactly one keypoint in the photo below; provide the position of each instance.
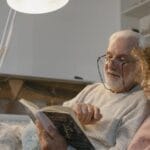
(6, 35)
(25, 6)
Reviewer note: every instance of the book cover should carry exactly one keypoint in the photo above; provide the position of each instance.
(65, 120)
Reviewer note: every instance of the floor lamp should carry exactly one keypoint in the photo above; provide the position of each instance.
(29, 7)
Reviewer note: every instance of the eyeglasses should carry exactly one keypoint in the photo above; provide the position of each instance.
(121, 60)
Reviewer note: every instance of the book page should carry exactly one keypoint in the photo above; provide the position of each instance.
(31, 108)
(65, 110)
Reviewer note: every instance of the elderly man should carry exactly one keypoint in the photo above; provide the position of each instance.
(110, 114)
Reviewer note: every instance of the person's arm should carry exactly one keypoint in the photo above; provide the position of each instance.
(141, 140)
(86, 113)
(129, 125)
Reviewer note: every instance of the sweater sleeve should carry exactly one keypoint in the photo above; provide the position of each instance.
(128, 126)
(80, 98)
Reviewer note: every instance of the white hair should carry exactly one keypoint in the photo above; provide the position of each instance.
(129, 34)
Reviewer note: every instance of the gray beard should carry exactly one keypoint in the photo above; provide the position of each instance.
(120, 84)
(114, 85)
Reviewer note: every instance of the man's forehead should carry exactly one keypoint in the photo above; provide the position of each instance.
(122, 45)
(119, 51)
(119, 54)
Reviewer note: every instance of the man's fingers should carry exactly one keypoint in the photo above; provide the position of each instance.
(38, 124)
(84, 115)
(45, 141)
(87, 113)
(79, 111)
(39, 127)
(97, 114)
(52, 132)
(90, 113)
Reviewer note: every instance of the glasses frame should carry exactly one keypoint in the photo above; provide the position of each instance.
(122, 69)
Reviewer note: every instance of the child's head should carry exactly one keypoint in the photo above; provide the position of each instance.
(143, 57)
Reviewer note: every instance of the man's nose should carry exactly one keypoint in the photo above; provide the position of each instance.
(112, 64)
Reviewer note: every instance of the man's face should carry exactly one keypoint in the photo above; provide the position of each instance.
(120, 67)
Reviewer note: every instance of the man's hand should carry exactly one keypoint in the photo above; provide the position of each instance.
(52, 140)
(87, 113)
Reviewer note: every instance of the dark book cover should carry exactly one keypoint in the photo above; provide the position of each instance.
(70, 130)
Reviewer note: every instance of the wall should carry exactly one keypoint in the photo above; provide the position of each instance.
(62, 44)
(20, 53)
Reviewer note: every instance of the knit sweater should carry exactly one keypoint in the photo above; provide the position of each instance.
(122, 114)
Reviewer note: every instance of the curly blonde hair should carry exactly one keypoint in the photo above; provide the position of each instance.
(143, 57)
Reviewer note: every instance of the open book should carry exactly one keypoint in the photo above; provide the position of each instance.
(62, 118)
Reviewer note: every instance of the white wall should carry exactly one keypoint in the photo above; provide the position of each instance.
(65, 43)
(19, 59)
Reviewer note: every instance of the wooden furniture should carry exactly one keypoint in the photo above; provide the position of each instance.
(42, 91)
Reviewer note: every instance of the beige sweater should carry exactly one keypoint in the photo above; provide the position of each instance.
(122, 115)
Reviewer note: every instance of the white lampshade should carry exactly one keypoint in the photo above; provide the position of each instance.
(36, 6)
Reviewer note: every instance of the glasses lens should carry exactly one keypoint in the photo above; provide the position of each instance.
(101, 61)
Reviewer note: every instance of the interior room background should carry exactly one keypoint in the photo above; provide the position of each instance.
(62, 44)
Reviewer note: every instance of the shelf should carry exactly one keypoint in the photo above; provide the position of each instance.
(140, 10)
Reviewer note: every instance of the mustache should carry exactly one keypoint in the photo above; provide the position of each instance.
(113, 73)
